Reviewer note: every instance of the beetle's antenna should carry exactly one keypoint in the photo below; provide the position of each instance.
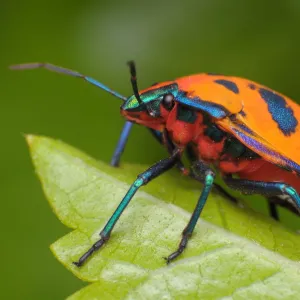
(65, 71)
(132, 68)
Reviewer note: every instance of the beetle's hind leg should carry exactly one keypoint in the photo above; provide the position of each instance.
(269, 189)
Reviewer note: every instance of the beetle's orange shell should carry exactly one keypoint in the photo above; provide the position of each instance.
(250, 110)
(251, 113)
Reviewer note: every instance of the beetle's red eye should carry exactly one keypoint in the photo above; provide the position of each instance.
(168, 101)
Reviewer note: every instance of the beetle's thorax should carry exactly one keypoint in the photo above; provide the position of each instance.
(211, 143)
(183, 124)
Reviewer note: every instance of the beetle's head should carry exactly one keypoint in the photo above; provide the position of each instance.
(151, 106)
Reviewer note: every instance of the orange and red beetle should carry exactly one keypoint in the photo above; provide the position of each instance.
(235, 125)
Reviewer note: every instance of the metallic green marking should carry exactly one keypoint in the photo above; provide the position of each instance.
(132, 104)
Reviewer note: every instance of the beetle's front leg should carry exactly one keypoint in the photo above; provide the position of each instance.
(142, 179)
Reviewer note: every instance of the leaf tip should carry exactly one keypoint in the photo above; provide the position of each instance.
(29, 139)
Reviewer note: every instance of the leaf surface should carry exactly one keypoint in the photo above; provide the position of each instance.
(234, 253)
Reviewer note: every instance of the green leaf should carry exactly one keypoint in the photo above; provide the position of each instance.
(251, 257)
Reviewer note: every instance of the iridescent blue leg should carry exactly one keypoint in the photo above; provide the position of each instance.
(121, 143)
(151, 173)
(269, 189)
(209, 177)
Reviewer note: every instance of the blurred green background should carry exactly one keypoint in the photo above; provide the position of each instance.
(257, 39)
